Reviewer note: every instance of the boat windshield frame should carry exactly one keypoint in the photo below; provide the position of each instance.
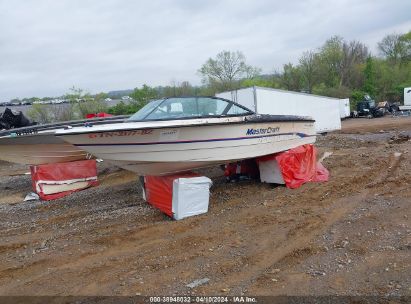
(230, 103)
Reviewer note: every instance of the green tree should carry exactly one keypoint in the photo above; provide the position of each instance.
(291, 78)
(80, 104)
(140, 97)
(119, 109)
(330, 56)
(391, 79)
(40, 113)
(406, 41)
(226, 70)
(309, 69)
(144, 95)
(355, 97)
(337, 92)
(90, 107)
(369, 77)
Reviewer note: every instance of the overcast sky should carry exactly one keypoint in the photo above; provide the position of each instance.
(46, 47)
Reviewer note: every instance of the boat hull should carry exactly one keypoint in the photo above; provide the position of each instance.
(36, 145)
(165, 150)
(164, 168)
(40, 149)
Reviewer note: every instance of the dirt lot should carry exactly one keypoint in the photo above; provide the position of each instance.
(349, 236)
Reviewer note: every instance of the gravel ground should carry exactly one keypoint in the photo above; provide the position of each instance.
(349, 236)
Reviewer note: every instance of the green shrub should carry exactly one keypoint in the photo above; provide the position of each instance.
(125, 109)
(90, 107)
(40, 113)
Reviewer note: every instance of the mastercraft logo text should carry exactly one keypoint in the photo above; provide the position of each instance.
(269, 130)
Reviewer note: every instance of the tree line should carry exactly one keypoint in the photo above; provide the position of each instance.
(338, 68)
(79, 104)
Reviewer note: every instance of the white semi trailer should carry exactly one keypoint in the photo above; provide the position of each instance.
(344, 108)
(326, 111)
(407, 100)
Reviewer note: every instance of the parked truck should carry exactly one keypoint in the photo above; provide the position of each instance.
(324, 110)
(367, 108)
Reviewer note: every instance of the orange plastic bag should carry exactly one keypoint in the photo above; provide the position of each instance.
(299, 165)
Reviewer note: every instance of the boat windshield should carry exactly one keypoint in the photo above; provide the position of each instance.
(147, 109)
(188, 107)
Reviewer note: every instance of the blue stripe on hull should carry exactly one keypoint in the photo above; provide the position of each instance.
(192, 141)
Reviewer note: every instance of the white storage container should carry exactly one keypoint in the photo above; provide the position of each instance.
(190, 196)
(326, 111)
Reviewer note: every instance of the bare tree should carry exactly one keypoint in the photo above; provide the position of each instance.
(186, 88)
(64, 112)
(353, 54)
(392, 47)
(226, 69)
(338, 61)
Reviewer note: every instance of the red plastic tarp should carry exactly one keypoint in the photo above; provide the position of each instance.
(159, 190)
(77, 175)
(101, 114)
(299, 165)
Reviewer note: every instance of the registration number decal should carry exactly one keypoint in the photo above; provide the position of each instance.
(120, 133)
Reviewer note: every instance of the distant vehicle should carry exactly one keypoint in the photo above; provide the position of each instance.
(107, 99)
(367, 108)
(126, 98)
(57, 101)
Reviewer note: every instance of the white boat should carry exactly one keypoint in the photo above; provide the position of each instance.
(35, 145)
(185, 133)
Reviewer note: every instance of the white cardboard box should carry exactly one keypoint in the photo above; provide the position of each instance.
(190, 196)
(270, 172)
